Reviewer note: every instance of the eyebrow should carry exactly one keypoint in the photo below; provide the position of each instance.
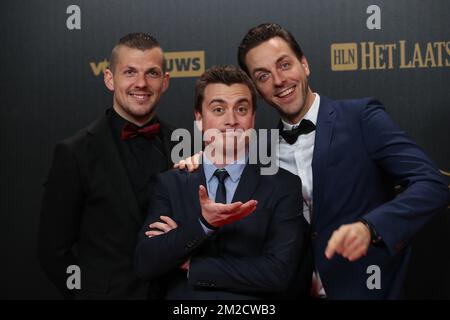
(218, 100)
(243, 100)
(149, 69)
(284, 56)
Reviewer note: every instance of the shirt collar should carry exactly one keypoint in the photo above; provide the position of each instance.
(234, 169)
(310, 115)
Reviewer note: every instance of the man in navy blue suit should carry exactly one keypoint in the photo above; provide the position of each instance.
(225, 231)
(349, 154)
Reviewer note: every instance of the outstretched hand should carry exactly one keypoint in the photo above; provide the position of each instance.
(219, 214)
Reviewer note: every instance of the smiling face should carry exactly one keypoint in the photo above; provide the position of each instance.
(138, 81)
(281, 78)
(228, 111)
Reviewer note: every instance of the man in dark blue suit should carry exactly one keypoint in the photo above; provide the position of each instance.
(349, 154)
(247, 243)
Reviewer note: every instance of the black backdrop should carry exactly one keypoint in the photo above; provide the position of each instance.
(49, 90)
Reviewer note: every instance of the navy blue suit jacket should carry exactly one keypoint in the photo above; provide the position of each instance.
(260, 256)
(359, 155)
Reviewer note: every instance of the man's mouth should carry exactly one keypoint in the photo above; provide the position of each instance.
(232, 131)
(285, 93)
(140, 96)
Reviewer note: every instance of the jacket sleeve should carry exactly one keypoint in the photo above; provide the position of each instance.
(61, 210)
(272, 270)
(426, 193)
(161, 254)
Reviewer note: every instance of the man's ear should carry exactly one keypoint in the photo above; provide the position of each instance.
(108, 78)
(198, 120)
(198, 116)
(304, 63)
(166, 81)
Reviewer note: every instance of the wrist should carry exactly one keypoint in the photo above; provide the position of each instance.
(375, 238)
(207, 224)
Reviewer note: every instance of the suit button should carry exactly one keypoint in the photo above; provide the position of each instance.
(314, 235)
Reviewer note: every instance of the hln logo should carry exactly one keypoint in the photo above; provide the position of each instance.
(382, 56)
(179, 64)
(344, 56)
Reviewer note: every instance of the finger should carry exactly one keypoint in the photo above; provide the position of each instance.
(244, 211)
(330, 250)
(160, 226)
(249, 204)
(196, 162)
(334, 244)
(221, 208)
(180, 165)
(169, 221)
(202, 194)
(247, 208)
(190, 167)
(153, 233)
(349, 239)
(358, 253)
(350, 248)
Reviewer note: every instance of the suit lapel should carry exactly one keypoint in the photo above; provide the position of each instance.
(324, 132)
(193, 181)
(248, 183)
(106, 150)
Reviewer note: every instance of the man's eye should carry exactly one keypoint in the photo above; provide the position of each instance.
(129, 72)
(218, 110)
(242, 110)
(154, 73)
(285, 65)
(263, 77)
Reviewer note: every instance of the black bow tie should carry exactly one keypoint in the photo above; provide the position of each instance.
(305, 127)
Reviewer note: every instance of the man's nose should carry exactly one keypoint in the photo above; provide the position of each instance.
(140, 81)
(278, 78)
(230, 118)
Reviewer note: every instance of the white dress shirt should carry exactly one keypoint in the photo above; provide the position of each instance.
(297, 159)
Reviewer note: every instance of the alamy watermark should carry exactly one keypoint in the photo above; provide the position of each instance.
(374, 280)
(74, 280)
(233, 145)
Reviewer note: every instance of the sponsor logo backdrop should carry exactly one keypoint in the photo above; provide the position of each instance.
(54, 53)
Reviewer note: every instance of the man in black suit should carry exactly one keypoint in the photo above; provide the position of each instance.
(97, 190)
(246, 244)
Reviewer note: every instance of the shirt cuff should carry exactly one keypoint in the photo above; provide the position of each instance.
(209, 229)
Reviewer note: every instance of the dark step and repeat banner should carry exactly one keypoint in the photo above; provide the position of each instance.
(54, 53)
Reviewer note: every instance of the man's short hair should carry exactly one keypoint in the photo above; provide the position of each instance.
(262, 33)
(226, 74)
(136, 40)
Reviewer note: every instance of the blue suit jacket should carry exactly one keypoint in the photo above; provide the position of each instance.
(264, 255)
(359, 155)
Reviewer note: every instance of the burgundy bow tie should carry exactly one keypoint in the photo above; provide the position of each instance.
(129, 131)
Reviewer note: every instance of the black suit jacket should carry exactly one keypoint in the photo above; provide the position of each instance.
(261, 256)
(90, 216)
